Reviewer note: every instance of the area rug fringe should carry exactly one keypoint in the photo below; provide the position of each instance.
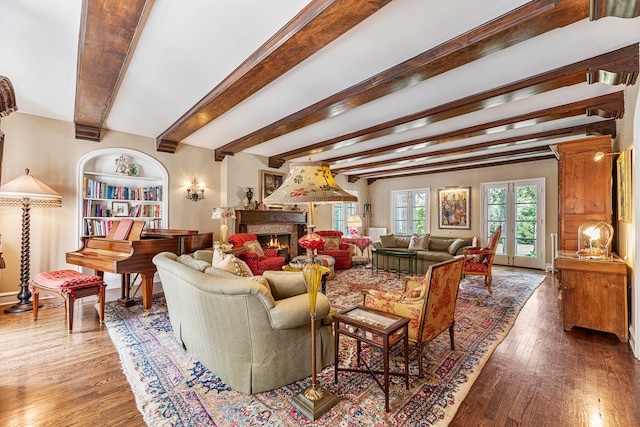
(173, 389)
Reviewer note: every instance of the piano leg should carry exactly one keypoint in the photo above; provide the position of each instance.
(147, 289)
(125, 284)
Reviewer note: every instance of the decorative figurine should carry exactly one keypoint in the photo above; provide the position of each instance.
(122, 165)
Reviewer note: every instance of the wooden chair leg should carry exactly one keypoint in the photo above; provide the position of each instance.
(69, 302)
(102, 296)
(453, 346)
(420, 368)
(36, 302)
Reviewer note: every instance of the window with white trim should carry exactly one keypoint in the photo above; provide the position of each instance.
(410, 211)
(341, 212)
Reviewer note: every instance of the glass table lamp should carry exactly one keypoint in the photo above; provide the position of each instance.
(594, 240)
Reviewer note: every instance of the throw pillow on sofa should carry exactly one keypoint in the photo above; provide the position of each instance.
(419, 243)
(416, 242)
(191, 262)
(455, 246)
(234, 265)
(388, 241)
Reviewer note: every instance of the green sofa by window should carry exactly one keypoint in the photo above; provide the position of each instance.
(430, 250)
(253, 332)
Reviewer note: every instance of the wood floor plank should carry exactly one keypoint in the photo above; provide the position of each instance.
(562, 378)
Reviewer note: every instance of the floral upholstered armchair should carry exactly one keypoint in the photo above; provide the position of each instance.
(258, 259)
(479, 261)
(428, 302)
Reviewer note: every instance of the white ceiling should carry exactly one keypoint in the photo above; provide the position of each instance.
(187, 47)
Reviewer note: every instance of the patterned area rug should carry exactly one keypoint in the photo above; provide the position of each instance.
(172, 388)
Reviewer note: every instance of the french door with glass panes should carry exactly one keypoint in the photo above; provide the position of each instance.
(517, 206)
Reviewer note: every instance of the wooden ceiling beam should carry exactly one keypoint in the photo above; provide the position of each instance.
(605, 127)
(618, 8)
(619, 66)
(462, 168)
(461, 161)
(317, 25)
(109, 30)
(523, 23)
(607, 106)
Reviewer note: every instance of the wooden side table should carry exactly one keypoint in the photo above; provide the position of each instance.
(594, 293)
(378, 329)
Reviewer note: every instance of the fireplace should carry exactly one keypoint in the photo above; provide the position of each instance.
(281, 242)
(287, 226)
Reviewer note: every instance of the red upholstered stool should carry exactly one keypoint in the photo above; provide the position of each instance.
(70, 285)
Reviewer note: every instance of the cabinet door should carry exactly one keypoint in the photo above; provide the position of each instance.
(584, 188)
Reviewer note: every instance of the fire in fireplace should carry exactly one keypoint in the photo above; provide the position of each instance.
(280, 242)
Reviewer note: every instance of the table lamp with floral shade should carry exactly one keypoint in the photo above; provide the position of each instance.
(311, 182)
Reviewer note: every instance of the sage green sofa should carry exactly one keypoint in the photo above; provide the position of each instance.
(434, 249)
(253, 332)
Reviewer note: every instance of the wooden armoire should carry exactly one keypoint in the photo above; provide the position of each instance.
(585, 187)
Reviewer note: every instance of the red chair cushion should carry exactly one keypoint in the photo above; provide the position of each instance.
(66, 280)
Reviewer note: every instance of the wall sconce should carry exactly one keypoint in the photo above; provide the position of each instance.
(195, 190)
(600, 155)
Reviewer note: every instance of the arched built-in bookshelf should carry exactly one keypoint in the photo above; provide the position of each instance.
(139, 191)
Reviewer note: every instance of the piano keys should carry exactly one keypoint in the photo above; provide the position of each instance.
(134, 255)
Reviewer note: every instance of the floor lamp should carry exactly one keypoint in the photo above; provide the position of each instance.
(311, 182)
(26, 192)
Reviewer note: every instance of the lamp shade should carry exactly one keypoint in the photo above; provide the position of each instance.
(354, 221)
(311, 241)
(29, 187)
(223, 213)
(309, 182)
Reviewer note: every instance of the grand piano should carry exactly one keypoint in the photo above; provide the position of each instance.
(134, 253)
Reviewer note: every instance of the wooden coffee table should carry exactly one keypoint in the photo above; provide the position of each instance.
(378, 329)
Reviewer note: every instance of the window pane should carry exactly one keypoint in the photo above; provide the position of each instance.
(419, 213)
(400, 213)
(410, 211)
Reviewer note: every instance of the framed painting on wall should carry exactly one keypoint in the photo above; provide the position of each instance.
(270, 181)
(623, 172)
(453, 208)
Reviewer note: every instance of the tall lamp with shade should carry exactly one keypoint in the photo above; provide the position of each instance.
(311, 182)
(353, 223)
(26, 192)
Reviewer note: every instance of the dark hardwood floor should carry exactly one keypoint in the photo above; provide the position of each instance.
(539, 376)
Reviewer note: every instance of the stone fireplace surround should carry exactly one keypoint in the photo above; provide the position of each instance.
(273, 223)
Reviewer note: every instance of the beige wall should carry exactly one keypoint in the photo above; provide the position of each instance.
(51, 152)
(627, 233)
(381, 194)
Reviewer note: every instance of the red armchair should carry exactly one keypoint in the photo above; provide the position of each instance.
(478, 261)
(336, 248)
(258, 259)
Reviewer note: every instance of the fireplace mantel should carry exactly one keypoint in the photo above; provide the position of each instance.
(273, 222)
(246, 217)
